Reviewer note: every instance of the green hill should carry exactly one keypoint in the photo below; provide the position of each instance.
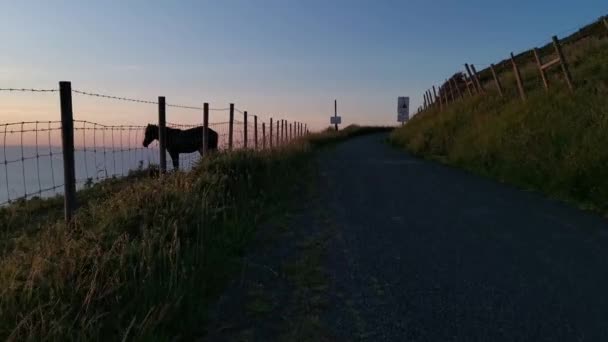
(554, 142)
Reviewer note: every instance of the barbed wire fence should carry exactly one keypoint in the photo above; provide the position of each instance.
(547, 60)
(56, 158)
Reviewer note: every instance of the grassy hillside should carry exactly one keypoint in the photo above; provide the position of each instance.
(145, 255)
(554, 142)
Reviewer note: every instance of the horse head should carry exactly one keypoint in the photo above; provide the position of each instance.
(151, 134)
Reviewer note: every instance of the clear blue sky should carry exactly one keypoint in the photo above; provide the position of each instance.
(274, 58)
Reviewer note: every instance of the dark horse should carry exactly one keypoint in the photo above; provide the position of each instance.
(182, 141)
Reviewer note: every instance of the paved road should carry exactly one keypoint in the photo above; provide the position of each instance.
(424, 252)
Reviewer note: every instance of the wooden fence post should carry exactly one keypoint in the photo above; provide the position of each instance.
(278, 134)
(451, 90)
(457, 88)
(467, 82)
(290, 131)
(67, 143)
(558, 49)
(255, 132)
(270, 134)
(471, 78)
(539, 64)
(162, 133)
(496, 80)
(476, 75)
(205, 128)
(520, 86)
(438, 101)
(245, 137)
(263, 135)
(230, 126)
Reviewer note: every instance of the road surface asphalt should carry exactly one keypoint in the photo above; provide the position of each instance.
(425, 252)
(419, 251)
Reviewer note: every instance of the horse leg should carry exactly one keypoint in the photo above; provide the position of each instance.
(175, 158)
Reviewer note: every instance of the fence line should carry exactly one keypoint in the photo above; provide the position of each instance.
(35, 166)
(474, 83)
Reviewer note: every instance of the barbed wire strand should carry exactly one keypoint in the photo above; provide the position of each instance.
(30, 90)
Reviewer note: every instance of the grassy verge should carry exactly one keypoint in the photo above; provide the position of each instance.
(554, 142)
(142, 261)
(145, 255)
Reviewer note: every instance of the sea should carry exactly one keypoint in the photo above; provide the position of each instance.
(28, 171)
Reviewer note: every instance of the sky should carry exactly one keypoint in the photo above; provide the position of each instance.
(274, 58)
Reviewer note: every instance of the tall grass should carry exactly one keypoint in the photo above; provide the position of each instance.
(554, 142)
(141, 261)
(144, 255)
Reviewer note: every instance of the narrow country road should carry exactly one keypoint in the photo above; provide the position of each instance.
(424, 252)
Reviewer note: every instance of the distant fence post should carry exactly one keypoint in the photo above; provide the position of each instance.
(539, 64)
(230, 126)
(290, 131)
(472, 78)
(496, 80)
(67, 142)
(468, 83)
(205, 128)
(263, 135)
(558, 49)
(520, 86)
(436, 100)
(245, 137)
(282, 135)
(162, 134)
(278, 134)
(451, 90)
(255, 132)
(476, 75)
(270, 134)
(457, 88)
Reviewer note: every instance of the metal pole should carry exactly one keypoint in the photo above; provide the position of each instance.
(336, 113)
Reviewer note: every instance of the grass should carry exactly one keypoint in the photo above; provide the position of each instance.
(144, 255)
(141, 261)
(554, 142)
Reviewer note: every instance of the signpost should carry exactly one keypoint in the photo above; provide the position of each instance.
(403, 109)
(335, 120)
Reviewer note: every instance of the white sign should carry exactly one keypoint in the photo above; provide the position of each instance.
(335, 120)
(403, 109)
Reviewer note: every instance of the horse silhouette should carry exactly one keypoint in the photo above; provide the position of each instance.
(182, 141)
